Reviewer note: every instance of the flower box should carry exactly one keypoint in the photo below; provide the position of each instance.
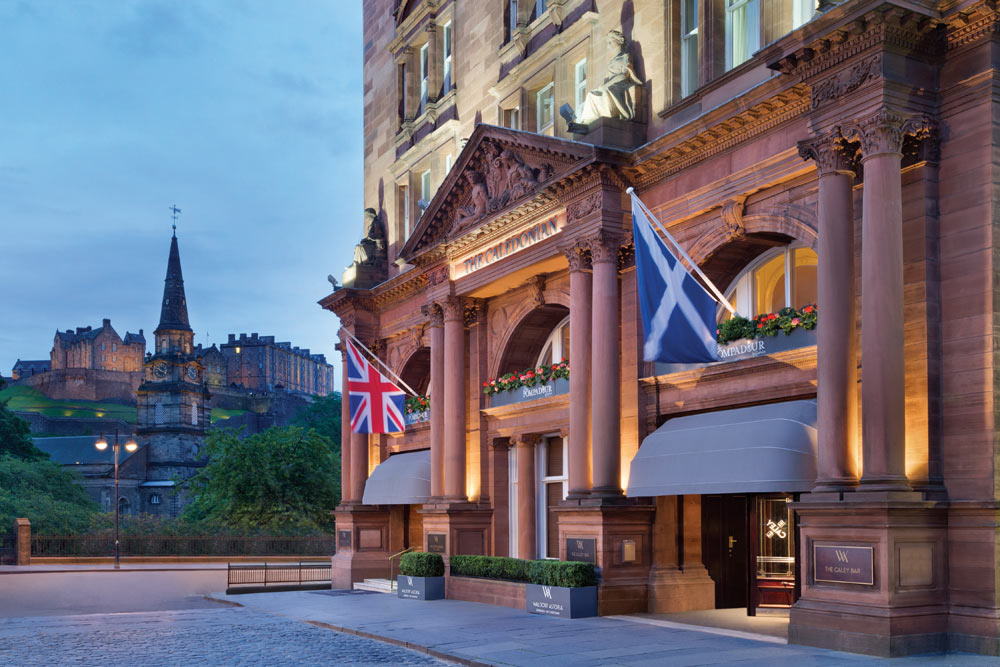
(749, 348)
(554, 387)
(559, 601)
(417, 417)
(419, 588)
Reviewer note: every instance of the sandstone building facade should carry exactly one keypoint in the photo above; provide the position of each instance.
(829, 154)
(259, 363)
(98, 349)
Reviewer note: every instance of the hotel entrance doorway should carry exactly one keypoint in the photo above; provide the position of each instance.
(748, 546)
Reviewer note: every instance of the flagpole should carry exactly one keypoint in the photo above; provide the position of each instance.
(379, 361)
(694, 266)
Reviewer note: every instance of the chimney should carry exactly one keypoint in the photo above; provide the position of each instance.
(107, 323)
(232, 338)
(140, 332)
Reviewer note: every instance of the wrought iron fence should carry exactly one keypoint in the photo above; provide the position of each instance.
(302, 574)
(162, 545)
(8, 549)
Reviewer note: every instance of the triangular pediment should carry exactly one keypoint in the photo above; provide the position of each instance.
(499, 170)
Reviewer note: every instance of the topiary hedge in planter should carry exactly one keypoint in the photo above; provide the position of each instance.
(421, 564)
(568, 574)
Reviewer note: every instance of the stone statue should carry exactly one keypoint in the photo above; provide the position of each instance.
(613, 98)
(478, 201)
(367, 252)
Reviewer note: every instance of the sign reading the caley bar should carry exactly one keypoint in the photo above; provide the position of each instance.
(515, 242)
(843, 564)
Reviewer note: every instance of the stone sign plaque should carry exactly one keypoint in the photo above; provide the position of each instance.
(838, 564)
(436, 543)
(343, 538)
(583, 549)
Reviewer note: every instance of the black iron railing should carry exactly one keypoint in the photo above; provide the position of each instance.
(161, 545)
(8, 549)
(309, 574)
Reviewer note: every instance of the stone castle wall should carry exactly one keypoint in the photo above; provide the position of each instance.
(72, 425)
(86, 384)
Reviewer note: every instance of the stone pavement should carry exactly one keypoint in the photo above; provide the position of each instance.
(217, 636)
(484, 634)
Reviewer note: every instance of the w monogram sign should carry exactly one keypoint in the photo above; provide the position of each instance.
(840, 564)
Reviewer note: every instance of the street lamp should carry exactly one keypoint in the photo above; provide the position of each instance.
(130, 446)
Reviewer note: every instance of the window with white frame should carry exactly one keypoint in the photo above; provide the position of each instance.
(424, 75)
(449, 160)
(552, 489)
(545, 108)
(404, 209)
(579, 84)
(446, 50)
(512, 118)
(779, 278)
(689, 47)
(425, 190)
(556, 347)
(742, 31)
(802, 12)
(511, 18)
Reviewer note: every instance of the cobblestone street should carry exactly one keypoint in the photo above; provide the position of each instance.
(212, 636)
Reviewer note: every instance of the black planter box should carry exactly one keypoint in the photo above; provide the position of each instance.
(522, 394)
(419, 588)
(559, 601)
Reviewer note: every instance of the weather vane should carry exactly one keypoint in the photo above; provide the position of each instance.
(174, 212)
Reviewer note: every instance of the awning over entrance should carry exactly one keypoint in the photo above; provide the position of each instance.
(401, 479)
(760, 449)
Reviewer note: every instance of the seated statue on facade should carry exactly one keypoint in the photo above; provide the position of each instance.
(615, 97)
(371, 261)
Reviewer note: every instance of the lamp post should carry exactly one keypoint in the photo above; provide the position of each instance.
(130, 446)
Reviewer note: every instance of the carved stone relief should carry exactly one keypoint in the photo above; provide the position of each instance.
(501, 177)
(584, 207)
(732, 215)
(847, 81)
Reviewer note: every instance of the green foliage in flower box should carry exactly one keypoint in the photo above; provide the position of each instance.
(530, 377)
(421, 564)
(767, 324)
(569, 574)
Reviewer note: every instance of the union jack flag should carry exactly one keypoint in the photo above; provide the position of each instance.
(376, 403)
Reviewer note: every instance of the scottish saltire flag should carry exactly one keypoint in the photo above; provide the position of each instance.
(678, 314)
(376, 403)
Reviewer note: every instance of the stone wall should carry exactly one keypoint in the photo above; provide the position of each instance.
(72, 425)
(85, 384)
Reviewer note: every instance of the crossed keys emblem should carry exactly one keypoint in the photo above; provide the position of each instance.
(776, 528)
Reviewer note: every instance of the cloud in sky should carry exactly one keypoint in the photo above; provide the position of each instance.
(245, 113)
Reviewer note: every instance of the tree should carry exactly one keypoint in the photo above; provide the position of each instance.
(44, 493)
(324, 416)
(15, 438)
(281, 481)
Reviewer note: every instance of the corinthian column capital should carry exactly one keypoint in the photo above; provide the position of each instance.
(453, 308)
(831, 152)
(604, 247)
(434, 314)
(883, 131)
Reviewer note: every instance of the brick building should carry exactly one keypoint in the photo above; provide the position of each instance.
(259, 363)
(801, 152)
(98, 349)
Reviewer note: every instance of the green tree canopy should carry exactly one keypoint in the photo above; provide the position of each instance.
(324, 416)
(281, 481)
(44, 493)
(15, 438)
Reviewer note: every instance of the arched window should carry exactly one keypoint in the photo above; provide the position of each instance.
(556, 347)
(778, 278)
(123, 506)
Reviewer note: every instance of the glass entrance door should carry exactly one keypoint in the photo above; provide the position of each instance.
(775, 571)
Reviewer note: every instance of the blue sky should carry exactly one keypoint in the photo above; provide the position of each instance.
(245, 113)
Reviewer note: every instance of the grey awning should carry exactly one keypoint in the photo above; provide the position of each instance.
(402, 479)
(760, 449)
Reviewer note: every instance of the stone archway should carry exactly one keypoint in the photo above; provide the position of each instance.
(416, 370)
(524, 341)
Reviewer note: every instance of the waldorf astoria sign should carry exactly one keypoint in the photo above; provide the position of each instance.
(510, 244)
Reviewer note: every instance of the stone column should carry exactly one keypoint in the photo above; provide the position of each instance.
(437, 391)
(883, 385)
(580, 322)
(605, 392)
(454, 398)
(836, 455)
(359, 465)
(345, 432)
(526, 530)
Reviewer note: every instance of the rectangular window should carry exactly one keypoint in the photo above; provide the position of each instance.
(540, 7)
(512, 118)
(158, 413)
(802, 12)
(448, 161)
(401, 91)
(194, 415)
(551, 492)
(114, 347)
(423, 76)
(425, 186)
(689, 47)
(511, 19)
(103, 346)
(404, 207)
(545, 107)
(742, 31)
(579, 85)
(446, 38)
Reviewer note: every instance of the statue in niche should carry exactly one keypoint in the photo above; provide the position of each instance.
(612, 99)
(372, 246)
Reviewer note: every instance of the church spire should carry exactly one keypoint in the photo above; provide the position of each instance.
(173, 311)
